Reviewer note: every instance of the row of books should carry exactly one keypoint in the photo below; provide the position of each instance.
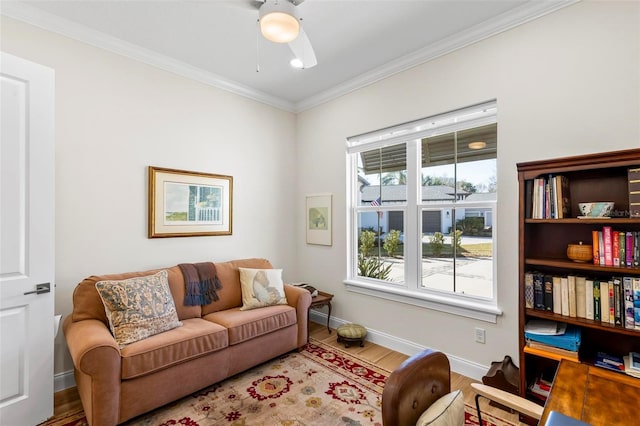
(616, 248)
(548, 197)
(629, 364)
(540, 388)
(615, 301)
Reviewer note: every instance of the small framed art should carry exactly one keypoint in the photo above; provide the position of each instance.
(318, 212)
(189, 204)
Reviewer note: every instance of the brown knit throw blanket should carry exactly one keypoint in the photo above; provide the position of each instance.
(201, 281)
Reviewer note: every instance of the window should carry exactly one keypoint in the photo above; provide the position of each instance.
(422, 198)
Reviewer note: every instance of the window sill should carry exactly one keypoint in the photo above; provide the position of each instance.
(452, 305)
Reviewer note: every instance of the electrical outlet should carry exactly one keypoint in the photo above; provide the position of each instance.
(480, 335)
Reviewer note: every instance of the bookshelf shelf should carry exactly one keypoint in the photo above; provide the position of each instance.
(568, 264)
(547, 354)
(576, 221)
(543, 246)
(582, 322)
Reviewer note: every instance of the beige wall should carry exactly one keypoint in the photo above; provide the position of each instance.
(566, 84)
(114, 118)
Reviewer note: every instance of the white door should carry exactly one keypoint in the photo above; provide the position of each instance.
(27, 241)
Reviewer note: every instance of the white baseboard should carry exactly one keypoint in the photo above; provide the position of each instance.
(64, 380)
(458, 365)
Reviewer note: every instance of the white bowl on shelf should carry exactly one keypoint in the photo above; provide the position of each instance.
(596, 208)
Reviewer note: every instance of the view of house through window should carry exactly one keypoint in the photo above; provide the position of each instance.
(381, 232)
(424, 204)
(458, 211)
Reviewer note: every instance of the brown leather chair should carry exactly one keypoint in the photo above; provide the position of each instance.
(426, 377)
(416, 384)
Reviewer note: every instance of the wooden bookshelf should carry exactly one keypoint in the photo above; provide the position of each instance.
(543, 244)
(582, 322)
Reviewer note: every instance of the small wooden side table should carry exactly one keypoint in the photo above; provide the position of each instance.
(322, 299)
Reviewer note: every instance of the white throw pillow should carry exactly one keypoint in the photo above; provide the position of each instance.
(261, 287)
(446, 411)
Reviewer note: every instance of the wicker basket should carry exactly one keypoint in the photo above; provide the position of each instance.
(580, 252)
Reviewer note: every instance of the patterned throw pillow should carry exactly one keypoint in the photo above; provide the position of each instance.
(446, 411)
(138, 307)
(261, 287)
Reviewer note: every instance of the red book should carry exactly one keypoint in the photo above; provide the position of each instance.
(608, 245)
(616, 248)
(612, 305)
(629, 249)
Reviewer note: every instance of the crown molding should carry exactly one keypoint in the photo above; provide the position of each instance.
(506, 21)
(521, 15)
(56, 24)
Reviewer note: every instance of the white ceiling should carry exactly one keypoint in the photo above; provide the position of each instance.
(356, 41)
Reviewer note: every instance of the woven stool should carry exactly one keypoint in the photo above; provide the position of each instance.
(351, 333)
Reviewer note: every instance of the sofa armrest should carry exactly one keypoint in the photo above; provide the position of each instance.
(300, 299)
(97, 361)
(92, 347)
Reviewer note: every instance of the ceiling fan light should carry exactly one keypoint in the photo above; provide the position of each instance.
(477, 145)
(278, 22)
(296, 63)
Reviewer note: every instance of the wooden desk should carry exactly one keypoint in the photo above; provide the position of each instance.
(593, 395)
(322, 299)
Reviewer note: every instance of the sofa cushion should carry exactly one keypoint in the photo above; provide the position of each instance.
(88, 305)
(245, 325)
(194, 339)
(261, 287)
(138, 307)
(229, 275)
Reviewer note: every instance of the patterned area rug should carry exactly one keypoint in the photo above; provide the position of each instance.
(319, 386)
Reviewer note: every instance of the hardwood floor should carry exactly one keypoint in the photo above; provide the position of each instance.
(68, 400)
(389, 360)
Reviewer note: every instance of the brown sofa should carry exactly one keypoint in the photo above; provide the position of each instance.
(214, 342)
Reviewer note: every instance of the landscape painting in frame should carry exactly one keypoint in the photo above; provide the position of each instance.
(189, 204)
(319, 219)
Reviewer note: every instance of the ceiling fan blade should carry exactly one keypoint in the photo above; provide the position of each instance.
(247, 4)
(302, 49)
(256, 4)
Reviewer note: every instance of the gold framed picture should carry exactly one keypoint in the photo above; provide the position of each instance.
(189, 204)
(319, 219)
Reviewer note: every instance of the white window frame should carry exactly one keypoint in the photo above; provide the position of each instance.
(410, 291)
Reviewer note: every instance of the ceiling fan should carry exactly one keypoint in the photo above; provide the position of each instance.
(279, 22)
